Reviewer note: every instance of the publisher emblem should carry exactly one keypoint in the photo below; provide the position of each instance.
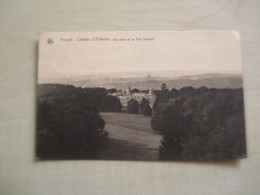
(50, 41)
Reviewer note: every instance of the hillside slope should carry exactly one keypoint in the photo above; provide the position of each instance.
(130, 138)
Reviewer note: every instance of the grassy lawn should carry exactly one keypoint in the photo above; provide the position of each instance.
(130, 137)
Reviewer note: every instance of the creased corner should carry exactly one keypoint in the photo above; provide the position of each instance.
(236, 34)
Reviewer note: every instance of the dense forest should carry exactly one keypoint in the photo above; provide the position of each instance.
(195, 123)
(200, 123)
(68, 122)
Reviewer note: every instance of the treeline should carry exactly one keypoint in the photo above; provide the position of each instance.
(114, 90)
(200, 123)
(143, 108)
(97, 97)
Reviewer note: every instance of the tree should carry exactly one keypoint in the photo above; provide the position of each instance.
(169, 120)
(143, 102)
(145, 107)
(68, 126)
(133, 106)
(168, 117)
(175, 92)
(110, 104)
(161, 97)
(163, 87)
(96, 94)
(201, 124)
(147, 110)
(135, 90)
(113, 90)
(186, 91)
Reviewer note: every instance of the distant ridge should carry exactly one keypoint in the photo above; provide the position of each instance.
(143, 80)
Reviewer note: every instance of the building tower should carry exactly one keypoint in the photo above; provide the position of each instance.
(151, 91)
(151, 97)
(128, 92)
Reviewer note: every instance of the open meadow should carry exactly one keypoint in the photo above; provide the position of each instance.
(130, 137)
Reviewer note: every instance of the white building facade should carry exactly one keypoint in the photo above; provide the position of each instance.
(125, 96)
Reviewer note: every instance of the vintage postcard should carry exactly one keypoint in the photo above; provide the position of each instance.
(140, 96)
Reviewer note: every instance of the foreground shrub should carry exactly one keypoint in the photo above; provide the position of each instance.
(69, 131)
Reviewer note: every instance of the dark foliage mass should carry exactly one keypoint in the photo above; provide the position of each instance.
(135, 90)
(133, 106)
(110, 104)
(68, 122)
(195, 123)
(113, 90)
(200, 123)
(161, 97)
(145, 107)
(64, 93)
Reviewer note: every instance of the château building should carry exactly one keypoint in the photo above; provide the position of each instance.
(125, 95)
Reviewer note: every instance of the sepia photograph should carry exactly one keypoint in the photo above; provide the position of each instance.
(151, 95)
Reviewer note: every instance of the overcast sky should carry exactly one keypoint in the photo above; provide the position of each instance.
(208, 51)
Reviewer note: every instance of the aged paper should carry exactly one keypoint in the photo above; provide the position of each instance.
(140, 96)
